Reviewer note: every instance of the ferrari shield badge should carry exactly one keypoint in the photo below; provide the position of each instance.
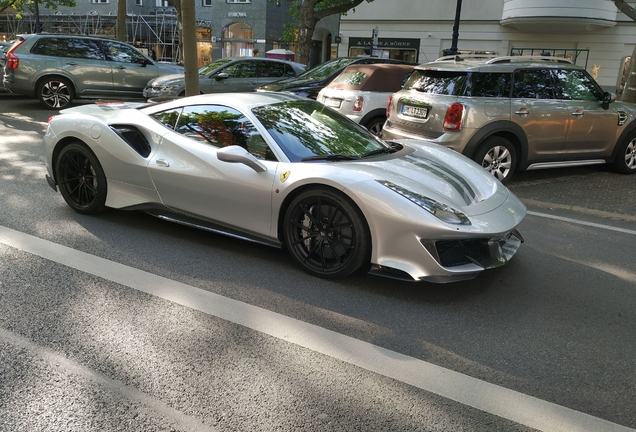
(284, 176)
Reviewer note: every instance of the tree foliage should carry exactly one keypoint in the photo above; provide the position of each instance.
(307, 13)
(28, 5)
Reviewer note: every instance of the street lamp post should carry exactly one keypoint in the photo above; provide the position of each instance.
(453, 48)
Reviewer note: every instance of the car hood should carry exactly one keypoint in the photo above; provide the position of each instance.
(441, 174)
(168, 79)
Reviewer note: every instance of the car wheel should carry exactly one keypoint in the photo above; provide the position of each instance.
(375, 125)
(55, 93)
(81, 179)
(326, 234)
(497, 155)
(626, 160)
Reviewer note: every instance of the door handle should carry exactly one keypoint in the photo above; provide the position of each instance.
(522, 111)
(163, 163)
(72, 63)
(120, 67)
(577, 113)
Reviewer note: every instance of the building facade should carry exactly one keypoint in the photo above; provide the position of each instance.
(224, 27)
(592, 33)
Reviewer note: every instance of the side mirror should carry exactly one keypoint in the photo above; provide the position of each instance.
(222, 76)
(236, 154)
(608, 98)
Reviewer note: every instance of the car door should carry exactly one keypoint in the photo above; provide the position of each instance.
(536, 110)
(190, 178)
(592, 126)
(81, 59)
(131, 69)
(238, 76)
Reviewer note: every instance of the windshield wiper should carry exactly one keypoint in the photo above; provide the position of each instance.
(393, 147)
(329, 157)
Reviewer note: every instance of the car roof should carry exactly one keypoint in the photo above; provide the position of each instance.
(380, 77)
(247, 100)
(481, 63)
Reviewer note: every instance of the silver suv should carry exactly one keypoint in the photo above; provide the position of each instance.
(59, 68)
(515, 113)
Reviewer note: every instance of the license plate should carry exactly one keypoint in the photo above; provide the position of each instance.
(333, 103)
(414, 111)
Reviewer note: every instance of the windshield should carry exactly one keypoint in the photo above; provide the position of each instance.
(326, 69)
(304, 129)
(206, 69)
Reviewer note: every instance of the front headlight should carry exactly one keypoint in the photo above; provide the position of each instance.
(440, 210)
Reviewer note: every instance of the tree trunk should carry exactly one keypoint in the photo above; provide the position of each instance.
(121, 20)
(629, 92)
(190, 64)
(307, 24)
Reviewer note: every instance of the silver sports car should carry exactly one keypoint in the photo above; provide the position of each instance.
(288, 172)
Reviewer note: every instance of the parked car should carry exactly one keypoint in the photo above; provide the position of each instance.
(311, 82)
(232, 74)
(3, 47)
(284, 170)
(361, 92)
(515, 113)
(60, 68)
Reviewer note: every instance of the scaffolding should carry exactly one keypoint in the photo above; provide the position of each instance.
(157, 31)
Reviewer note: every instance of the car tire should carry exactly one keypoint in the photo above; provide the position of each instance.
(375, 125)
(625, 161)
(497, 155)
(81, 179)
(326, 234)
(55, 92)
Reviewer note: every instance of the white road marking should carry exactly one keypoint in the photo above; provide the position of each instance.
(509, 404)
(580, 222)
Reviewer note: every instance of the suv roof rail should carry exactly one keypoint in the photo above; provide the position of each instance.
(508, 59)
(461, 57)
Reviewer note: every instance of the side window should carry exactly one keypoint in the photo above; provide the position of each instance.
(55, 47)
(289, 71)
(532, 84)
(86, 49)
(222, 126)
(246, 69)
(488, 85)
(122, 53)
(168, 118)
(577, 85)
(271, 69)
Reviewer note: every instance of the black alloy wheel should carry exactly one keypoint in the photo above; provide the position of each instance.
(326, 234)
(55, 93)
(497, 155)
(81, 179)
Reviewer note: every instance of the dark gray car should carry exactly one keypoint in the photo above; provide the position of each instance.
(59, 68)
(230, 74)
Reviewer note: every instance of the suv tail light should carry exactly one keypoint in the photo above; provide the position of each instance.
(12, 60)
(358, 104)
(388, 105)
(453, 118)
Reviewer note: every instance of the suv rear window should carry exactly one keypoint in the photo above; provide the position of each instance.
(476, 84)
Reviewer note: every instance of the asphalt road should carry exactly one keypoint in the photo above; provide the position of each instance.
(125, 322)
